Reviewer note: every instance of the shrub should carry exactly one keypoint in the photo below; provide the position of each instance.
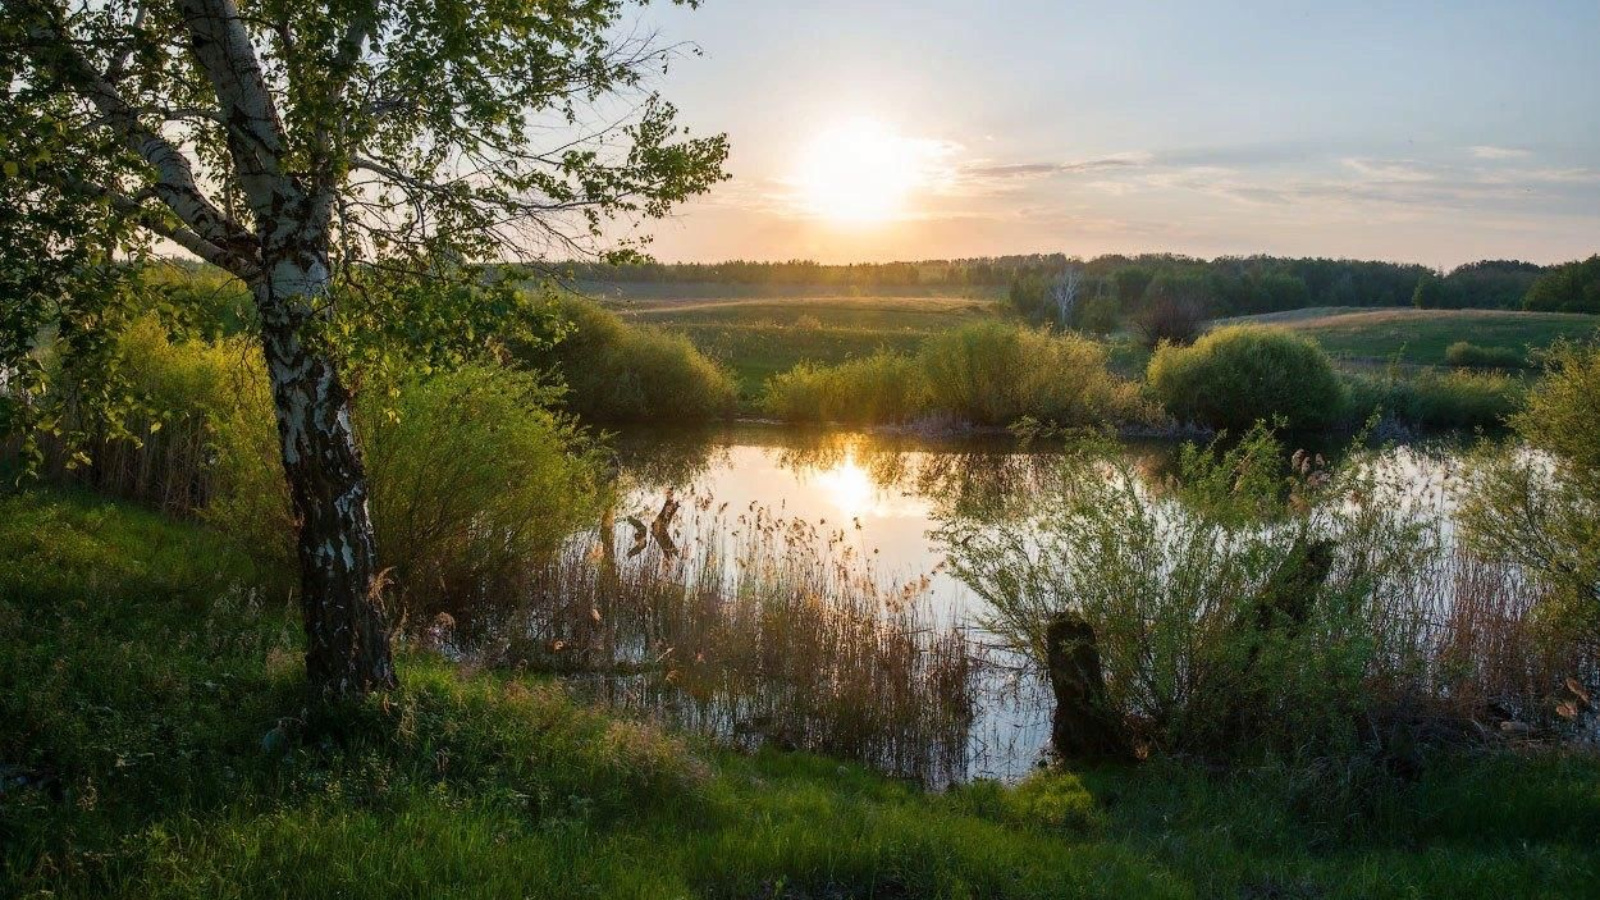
(1539, 510)
(1437, 400)
(473, 479)
(616, 372)
(1234, 377)
(196, 408)
(1174, 320)
(995, 374)
(985, 374)
(471, 476)
(1468, 355)
(1243, 608)
(883, 388)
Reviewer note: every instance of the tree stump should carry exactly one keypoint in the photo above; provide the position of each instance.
(1085, 728)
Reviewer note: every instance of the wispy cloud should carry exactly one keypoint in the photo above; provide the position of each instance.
(988, 170)
(1484, 151)
(1381, 170)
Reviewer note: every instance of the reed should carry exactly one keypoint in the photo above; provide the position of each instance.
(755, 630)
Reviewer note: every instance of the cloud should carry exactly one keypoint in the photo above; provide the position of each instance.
(1404, 170)
(984, 170)
(1484, 151)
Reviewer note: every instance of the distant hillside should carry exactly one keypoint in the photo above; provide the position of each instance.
(1421, 336)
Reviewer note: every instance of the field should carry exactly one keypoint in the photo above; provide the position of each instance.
(1420, 336)
(760, 332)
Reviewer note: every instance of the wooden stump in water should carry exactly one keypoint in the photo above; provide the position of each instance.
(1085, 728)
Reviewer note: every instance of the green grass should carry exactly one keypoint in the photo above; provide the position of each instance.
(1423, 336)
(758, 334)
(156, 744)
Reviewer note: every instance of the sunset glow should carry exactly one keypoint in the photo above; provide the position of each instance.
(862, 172)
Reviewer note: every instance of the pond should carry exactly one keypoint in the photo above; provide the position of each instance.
(868, 507)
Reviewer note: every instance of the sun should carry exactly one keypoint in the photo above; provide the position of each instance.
(862, 172)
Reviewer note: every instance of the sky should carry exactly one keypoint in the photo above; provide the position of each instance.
(1423, 132)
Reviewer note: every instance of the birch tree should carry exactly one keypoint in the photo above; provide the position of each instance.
(323, 153)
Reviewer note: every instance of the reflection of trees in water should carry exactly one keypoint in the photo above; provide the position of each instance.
(995, 478)
(656, 461)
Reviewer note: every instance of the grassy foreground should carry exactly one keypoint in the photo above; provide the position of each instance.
(155, 744)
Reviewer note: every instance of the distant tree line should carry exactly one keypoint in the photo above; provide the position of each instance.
(1096, 293)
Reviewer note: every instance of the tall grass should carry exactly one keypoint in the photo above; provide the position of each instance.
(758, 631)
(983, 374)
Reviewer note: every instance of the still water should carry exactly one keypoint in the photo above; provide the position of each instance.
(881, 500)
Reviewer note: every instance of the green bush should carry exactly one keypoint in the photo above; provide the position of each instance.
(1540, 510)
(1437, 400)
(885, 387)
(1243, 608)
(1467, 355)
(1237, 376)
(984, 374)
(616, 372)
(471, 476)
(994, 374)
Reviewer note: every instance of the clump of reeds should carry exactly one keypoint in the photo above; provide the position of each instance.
(755, 629)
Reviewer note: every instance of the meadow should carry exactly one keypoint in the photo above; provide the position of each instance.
(1421, 337)
(759, 333)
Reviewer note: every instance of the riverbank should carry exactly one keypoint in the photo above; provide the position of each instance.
(157, 745)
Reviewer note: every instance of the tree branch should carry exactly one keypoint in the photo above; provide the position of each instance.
(175, 183)
(222, 47)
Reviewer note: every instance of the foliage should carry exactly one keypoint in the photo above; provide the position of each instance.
(1246, 608)
(1436, 400)
(1539, 507)
(987, 373)
(1470, 355)
(1171, 320)
(471, 473)
(882, 388)
(1098, 315)
(157, 746)
(1490, 284)
(1573, 288)
(620, 372)
(92, 174)
(472, 479)
(1237, 376)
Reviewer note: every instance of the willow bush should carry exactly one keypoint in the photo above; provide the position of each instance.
(618, 372)
(1237, 376)
(1253, 605)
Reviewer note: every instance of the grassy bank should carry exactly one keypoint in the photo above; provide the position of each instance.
(157, 745)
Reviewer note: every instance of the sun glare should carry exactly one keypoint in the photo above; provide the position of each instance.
(862, 173)
(849, 487)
